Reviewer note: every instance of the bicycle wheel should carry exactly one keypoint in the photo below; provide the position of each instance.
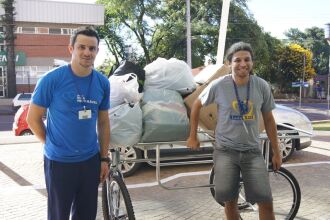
(286, 194)
(241, 203)
(116, 202)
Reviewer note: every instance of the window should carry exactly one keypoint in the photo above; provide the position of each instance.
(54, 30)
(66, 31)
(42, 30)
(28, 30)
(19, 30)
(25, 96)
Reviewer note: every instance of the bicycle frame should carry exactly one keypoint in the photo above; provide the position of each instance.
(290, 133)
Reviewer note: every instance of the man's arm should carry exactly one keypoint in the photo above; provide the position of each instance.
(192, 141)
(271, 131)
(35, 122)
(103, 128)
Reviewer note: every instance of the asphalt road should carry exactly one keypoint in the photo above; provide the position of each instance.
(315, 111)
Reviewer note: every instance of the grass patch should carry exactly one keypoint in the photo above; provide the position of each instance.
(321, 126)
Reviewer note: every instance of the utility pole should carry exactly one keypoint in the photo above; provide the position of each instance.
(9, 24)
(223, 30)
(188, 33)
(302, 83)
(327, 37)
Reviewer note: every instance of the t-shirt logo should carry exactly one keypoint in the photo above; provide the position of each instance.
(249, 115)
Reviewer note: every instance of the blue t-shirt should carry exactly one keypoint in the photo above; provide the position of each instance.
(68, 138)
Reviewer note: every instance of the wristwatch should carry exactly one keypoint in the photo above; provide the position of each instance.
(105, 159)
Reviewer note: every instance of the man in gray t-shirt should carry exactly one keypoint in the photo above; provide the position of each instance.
(240, 98)
(246, 127)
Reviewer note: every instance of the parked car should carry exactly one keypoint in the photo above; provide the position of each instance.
(21, 99)
(282, 114)
(20, 126)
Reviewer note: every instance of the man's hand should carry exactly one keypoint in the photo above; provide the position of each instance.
(193, 143)
(104, 171)
(277, 160)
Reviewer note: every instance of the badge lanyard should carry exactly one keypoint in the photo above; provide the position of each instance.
(80, 93)
(243, 109)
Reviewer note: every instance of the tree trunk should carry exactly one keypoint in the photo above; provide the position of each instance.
(9, 24)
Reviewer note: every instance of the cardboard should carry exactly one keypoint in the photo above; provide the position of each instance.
(208, 114)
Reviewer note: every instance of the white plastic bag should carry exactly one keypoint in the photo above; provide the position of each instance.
(172, 74)
(164, 116)
(123, 89)
(125, 125)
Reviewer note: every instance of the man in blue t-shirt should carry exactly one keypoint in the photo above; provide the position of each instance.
(76, 137)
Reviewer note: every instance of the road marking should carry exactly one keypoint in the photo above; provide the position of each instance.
(179, 175)
(11, 189)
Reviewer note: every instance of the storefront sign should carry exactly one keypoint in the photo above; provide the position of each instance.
(20, 58)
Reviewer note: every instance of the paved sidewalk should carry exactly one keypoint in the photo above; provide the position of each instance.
(23, 195)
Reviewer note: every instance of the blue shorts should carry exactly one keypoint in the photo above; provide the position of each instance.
(229, 163)
(72, 188)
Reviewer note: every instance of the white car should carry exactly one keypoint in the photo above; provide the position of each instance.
(21, 99)
(282, 114)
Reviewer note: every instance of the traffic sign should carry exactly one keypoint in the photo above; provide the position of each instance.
(298, 84)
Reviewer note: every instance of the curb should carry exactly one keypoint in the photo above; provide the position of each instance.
(18, 140)
(320, 121)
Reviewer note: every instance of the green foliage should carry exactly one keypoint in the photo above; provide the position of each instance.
(157, 28)
(295, 64)
(312, 39)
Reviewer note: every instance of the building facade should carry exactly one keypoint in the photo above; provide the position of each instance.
(42, 31)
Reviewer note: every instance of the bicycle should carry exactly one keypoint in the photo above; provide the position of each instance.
(116, 201)
(285, 190)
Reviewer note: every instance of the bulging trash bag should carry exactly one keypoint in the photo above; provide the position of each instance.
(164, 116)
(125, 125)
(123, 89)
(126, 67)
(170, 74)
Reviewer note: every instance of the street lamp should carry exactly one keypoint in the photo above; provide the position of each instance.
(327, 37)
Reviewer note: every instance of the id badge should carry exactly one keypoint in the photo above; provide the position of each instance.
(85, 114)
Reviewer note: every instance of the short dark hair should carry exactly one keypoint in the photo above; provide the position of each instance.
(87, 31)
(239, 46)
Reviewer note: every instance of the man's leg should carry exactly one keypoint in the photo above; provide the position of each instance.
(266, 211)
(85, 204)
(60, 182)
(231, 210)
(256, 183)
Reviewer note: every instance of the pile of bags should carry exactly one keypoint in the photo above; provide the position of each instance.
(146, 105)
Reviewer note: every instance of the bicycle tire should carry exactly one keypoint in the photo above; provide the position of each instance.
(281, 203)
(114, 196)
(242, 204)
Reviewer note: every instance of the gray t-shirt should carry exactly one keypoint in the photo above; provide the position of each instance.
(230, 129)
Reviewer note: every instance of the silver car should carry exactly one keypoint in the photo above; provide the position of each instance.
(283, 115)
(289, 116)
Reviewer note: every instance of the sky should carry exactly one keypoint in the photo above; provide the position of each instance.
(275, 16)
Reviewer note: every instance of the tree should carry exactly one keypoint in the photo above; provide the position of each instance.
(133, 20)
(9, 24)
(157, 28)
(312, 39)
(295, 64)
